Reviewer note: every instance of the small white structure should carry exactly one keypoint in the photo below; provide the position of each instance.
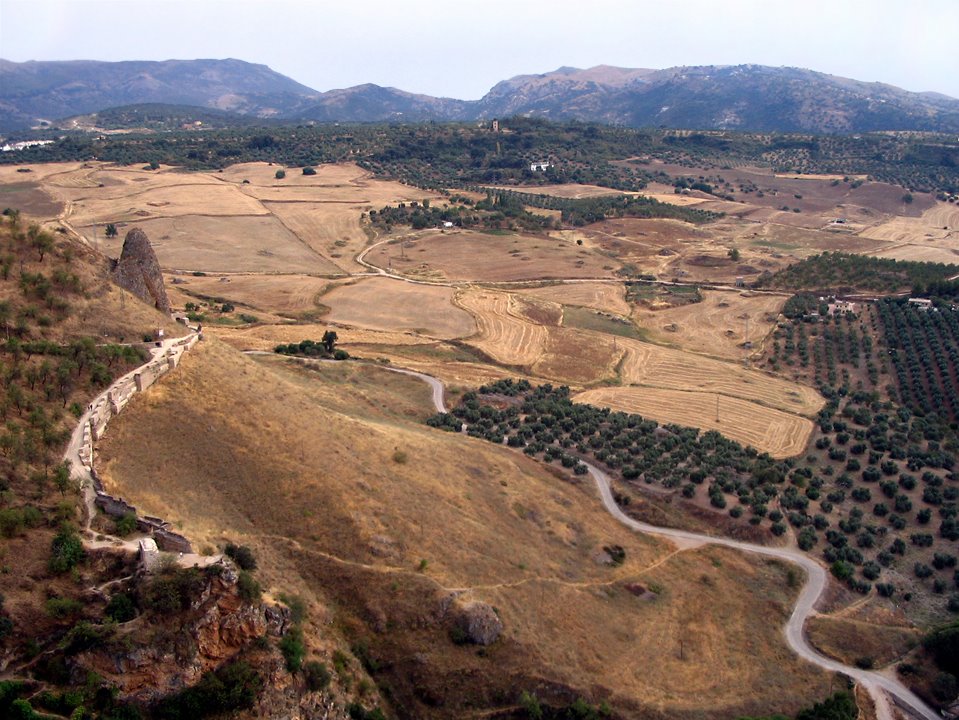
(13, 147)
(149, 553)
(540, 166)
(924, 304)
(447, 224)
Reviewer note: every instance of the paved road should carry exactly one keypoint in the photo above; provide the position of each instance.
(816, 580)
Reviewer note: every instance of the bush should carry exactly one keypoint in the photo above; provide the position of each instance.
(125, 525)
(66, 550)
(120, 608)
(248, 587)
(316, 675)
(280, 174)
(232, 687)
(58, 607)
(309, 171)
(241, 555)
(293, 649)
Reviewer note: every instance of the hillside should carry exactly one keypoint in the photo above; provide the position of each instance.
(50, 90)
(752, 97)
(743, 97)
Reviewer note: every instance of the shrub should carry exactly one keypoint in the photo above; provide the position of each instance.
(309, 171)
(241, 555)
(59, 607)
(120, 608)
(66, 550)
(280, 174)
(125, 525)
(293, 649)
(232, 687)
(248, 587)
(316, 675)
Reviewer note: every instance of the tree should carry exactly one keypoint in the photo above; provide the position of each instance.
(734, 254)
(111, 231)
(329, 340)
(309, 170)
(280, 174)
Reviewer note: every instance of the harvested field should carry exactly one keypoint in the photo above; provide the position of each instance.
(481, 257)
(604, 296)
(331, 229)
(290, 295)
(187, 198)
(778, 433)
(578, 358)
(717, 325)
(221, 244)
(937, 224)
(655, 366)
(503, 334)
(573, 191)
(386, 304)
(30, 199)
(920, 253)
(266, 337)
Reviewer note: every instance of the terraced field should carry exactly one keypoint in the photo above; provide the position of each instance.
(655, 366)
(781, 434)
(503, 333)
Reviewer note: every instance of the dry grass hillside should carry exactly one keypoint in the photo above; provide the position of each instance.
(377, 519)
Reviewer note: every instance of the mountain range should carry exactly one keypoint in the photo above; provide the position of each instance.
(741, 97)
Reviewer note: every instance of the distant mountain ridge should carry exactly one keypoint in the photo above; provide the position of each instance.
(740, 97)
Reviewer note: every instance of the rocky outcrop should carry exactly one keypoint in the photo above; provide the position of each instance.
(480, 623)
(155, 655)
(138, 271)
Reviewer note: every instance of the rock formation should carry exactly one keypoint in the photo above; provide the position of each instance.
(480, 623)
(138, 271)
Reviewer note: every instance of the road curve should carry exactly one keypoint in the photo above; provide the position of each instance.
(816, 580)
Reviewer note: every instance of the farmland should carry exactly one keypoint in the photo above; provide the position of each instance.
(710, 408)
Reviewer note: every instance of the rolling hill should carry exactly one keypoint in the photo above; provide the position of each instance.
(740, 97)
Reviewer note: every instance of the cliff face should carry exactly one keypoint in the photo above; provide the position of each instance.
(161, 654)
(138, 271)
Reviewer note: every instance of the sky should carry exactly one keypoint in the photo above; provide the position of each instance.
(460, 49)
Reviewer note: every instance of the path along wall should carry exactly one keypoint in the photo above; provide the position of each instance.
(105, 408)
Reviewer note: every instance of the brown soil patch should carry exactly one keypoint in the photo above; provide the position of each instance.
(394, 305)
(291, 295)
(778, 433)
(466, 255)
(717, 325)
(607, 297)
(222, 244)
(30, 199)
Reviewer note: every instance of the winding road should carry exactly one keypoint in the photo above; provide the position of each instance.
(880, 687)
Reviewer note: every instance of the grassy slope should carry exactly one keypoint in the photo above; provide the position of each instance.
(230, 446)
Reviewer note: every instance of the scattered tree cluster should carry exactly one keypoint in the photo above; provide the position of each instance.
(845, 272)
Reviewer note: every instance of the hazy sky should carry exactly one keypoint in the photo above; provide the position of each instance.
(460, 49)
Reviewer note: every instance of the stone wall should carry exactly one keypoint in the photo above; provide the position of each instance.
(107, 406)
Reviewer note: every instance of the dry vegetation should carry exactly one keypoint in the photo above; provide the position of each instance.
(462, 255)
(387, 304)
(715, 326)
(490, 523)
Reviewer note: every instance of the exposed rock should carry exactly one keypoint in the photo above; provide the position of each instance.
(138, 271)
(480, 623)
